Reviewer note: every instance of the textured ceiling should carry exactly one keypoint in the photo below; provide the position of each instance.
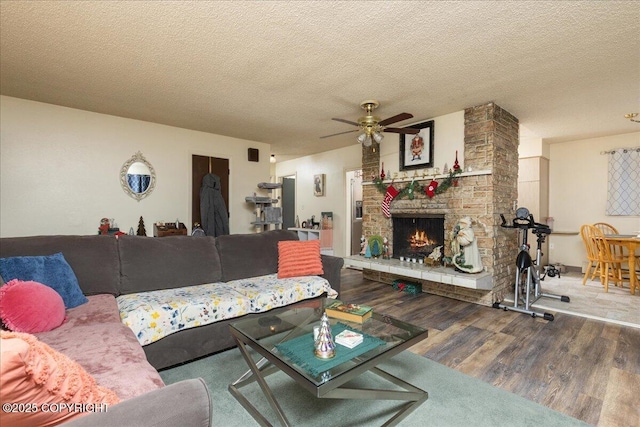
(277, 72)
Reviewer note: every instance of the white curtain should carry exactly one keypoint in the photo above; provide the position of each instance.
(623, 196)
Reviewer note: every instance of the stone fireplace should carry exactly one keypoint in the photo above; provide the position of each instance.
(417, 235)
(490, 189)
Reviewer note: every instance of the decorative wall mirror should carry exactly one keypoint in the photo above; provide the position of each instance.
(137, 177)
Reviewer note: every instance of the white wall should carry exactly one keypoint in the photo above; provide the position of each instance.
(578, 192)
(334, 165)
(531, 145)
(448, 137)
(59, 170)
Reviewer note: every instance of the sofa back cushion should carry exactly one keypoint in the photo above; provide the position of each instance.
(93, 259)
(251, 255)
(153, 263)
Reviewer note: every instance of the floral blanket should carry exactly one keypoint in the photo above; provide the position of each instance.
(156, 314)
(267, 292)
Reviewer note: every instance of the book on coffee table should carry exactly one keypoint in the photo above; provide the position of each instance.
(349, 338)
(349, 312)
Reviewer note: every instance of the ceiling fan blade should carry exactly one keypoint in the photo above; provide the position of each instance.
(349, 122)
(408, 131)
(339, 133)
(396, 118)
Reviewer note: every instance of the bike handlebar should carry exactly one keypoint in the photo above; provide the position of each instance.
(525, 224)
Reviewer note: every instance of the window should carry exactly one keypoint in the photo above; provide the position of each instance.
(623, 194)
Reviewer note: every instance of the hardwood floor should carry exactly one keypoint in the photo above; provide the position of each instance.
(584, 368)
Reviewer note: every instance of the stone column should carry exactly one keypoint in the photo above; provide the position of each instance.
(490, 143)
(491, 139)
(373, 222)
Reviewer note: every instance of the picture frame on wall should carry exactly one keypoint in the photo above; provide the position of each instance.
(416, 151)
(318, 184)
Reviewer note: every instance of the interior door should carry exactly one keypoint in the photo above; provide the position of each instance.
(201, 166)
(288, 202)
(355, 210)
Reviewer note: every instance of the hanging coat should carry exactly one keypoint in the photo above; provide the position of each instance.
(213, 211)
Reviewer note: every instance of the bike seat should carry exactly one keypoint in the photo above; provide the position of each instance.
(523, 261)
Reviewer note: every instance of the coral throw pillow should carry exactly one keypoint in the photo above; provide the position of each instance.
(30, 307)
(299, 258)
(52, 388)
(51, 270)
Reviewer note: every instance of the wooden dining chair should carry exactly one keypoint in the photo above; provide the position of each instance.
(618, 251)
(610, 265)
(606, 228)
(593, 266)
(609, 229)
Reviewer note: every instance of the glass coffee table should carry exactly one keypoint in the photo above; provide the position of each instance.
(272, 335)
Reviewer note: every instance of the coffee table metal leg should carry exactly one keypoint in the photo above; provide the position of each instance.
(259, 378)
(414, 395)
(258, 371)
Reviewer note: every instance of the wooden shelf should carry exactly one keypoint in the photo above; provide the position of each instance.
(169, 229)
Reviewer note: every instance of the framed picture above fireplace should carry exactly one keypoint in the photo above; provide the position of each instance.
(416, 151)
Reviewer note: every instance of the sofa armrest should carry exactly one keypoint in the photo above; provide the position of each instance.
(185, 403)
(332, 265)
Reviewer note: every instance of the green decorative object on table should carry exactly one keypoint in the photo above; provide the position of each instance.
(376, 245)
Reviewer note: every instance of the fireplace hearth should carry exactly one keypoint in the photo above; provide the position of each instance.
(417, 235)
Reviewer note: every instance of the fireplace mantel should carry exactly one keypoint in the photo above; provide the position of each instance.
(424, 177)
(439, 274)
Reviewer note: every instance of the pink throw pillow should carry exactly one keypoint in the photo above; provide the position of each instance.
(46, 383)
(299, 258)
(30, 307)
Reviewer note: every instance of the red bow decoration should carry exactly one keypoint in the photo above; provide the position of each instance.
(431, 189)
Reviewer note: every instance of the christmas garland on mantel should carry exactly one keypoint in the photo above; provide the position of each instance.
(430, 189)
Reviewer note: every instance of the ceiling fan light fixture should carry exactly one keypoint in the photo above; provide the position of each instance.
(365, 139)
(273, 158)
(370, 127)
(632, 117)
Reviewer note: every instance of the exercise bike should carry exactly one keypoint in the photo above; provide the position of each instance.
(527, 289)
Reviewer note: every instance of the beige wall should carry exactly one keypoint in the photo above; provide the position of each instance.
(448, 136)
(334, 164)
(59, 170)
(578, 192)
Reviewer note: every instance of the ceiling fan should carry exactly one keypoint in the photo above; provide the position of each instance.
(371, 127)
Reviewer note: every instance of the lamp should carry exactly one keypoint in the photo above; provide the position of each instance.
(365, 139)
(632, 117)
(272, 159)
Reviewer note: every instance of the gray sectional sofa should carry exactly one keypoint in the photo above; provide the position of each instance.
(107, 267)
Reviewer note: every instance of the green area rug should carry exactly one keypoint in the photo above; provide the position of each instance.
(455, 399)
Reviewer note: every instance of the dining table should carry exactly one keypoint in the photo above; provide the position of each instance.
(632, 243)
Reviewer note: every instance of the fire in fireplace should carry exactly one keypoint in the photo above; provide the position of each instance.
(420, 239)
(417, 235)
